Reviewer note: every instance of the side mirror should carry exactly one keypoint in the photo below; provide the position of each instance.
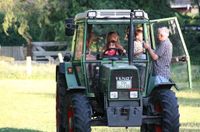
(69, 27)
(67, 57)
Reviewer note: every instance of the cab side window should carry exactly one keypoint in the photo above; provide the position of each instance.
(79, 42)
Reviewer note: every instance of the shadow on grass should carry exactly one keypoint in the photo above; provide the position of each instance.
(189, 130)
(190, 127)
(184, 86)
(17, 130)
(48, 95)
(189, 102)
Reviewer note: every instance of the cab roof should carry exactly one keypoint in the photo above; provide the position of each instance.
(112, 14)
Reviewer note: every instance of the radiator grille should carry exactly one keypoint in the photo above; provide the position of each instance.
(124, 73)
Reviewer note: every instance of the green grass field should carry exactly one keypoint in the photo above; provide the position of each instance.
(28, 104)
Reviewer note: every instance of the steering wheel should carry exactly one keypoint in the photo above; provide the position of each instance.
(112, 52)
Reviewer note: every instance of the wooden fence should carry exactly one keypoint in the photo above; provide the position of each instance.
(17, 52)
(42, 51)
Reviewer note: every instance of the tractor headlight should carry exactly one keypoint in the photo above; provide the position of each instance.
(92, 14)
(113, 95)
(133, 94)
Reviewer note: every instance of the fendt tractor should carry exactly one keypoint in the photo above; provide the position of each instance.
(95, 89)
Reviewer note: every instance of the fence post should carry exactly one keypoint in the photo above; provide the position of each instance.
(28, 65)
(60, 57)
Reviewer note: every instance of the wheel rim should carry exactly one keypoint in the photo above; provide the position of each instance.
(158, 108)
(70, 115)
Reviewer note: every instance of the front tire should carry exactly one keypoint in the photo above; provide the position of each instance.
(73, 112)
(62, 100)
(79, 114)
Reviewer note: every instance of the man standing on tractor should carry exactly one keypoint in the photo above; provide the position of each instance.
(162, 56)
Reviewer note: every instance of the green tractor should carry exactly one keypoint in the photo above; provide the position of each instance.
(94, 89)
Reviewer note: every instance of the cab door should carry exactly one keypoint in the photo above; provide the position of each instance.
(180, 65)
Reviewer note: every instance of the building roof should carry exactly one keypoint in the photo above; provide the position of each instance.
(180, 4)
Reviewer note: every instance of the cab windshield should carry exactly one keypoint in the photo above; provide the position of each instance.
(107, 40)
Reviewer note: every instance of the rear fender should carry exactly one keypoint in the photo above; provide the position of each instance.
(164, 86)
(152, 86)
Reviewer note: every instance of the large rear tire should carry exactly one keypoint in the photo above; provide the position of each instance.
(165, 104)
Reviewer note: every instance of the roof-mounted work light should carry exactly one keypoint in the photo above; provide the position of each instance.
(92, 14)
(139, 14)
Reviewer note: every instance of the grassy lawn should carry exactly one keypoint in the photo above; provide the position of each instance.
(29, 106)
(189, 107)
(27, 103)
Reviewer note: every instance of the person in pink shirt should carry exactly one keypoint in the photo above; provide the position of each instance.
(113, 46)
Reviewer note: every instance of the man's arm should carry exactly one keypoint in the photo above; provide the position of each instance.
(153, 55)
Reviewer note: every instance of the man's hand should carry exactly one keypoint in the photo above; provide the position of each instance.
(153, 55)
(146, 46)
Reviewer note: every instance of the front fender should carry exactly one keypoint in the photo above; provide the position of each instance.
(70, 77)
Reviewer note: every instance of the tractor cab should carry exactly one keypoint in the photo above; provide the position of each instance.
(97, 29)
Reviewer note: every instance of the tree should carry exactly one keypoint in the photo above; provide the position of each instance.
(44, 15)
(16, 14)
(45, 18)
(12, 38)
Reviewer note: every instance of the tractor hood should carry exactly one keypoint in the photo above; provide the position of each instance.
(119, 79)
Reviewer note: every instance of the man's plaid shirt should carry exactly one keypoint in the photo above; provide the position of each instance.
(162, 65)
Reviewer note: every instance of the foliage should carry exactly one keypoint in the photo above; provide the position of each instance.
(13, 36)
(42, 17)
(43, 20)
(14, 9)
(155, 8)
(192, 39)
(52, 21)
